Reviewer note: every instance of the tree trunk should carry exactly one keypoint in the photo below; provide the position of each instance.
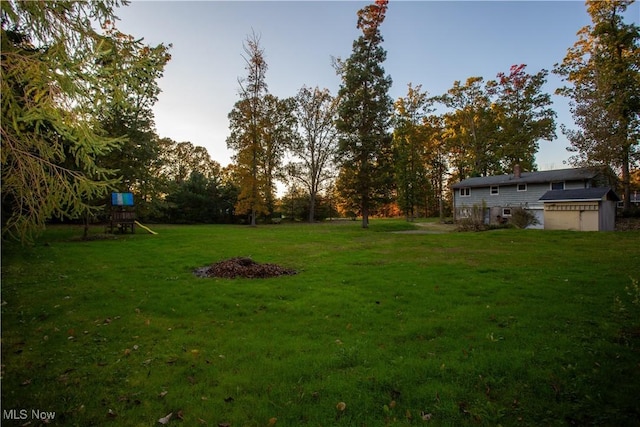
(626, 184)
(312, 207)
(85, 234)
(365, 213)
(440, 199)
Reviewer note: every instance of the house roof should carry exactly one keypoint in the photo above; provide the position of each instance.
(581, 194)
(557, 175)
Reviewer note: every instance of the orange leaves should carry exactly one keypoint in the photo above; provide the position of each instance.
(371, 16)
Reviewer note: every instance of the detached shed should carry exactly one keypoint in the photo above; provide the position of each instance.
(584, 209)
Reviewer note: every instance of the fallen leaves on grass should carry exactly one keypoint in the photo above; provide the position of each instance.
(242, 267)
(165, 420)
(425, 416)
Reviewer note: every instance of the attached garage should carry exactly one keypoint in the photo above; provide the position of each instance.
(584, 209)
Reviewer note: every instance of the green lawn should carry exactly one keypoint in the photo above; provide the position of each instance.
(506, 327)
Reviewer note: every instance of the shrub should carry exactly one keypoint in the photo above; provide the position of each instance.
(475, 220)
(523, 218)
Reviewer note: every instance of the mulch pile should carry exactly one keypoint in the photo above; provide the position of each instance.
(242, 267)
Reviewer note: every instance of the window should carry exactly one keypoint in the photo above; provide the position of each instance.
(506, 211)
(494, 190)
(522, 187)
(557, 185)
(465, 192)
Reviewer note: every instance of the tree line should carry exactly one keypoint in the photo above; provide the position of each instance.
(77, 123)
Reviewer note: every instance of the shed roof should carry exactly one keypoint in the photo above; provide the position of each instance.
(581, 194)
(557, 175)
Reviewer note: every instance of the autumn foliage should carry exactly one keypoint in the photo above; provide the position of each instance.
(371, 16)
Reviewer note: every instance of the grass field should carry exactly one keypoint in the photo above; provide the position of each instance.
(506, 327)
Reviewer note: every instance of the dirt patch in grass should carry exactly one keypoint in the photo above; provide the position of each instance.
(242, 267)
(430, 228)
(93, 237)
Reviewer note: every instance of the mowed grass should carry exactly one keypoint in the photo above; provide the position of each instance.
(505, 327)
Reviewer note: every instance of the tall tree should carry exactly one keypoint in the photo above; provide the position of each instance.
(603, 69)
(50, 62)
(364, 114)
(410, 144)
(524, 116)
(436, 161)
(180, 160)
(278, 133)
(471, 129)
(247, 132)
(316, 145)
(128, 107)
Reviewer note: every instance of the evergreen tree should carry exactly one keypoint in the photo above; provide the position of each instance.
(52, 81)
(128, 111)
(364, 114)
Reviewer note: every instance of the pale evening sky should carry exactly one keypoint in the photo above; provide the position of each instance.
(432, 43)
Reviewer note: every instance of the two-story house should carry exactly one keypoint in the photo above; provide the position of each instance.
(501, 193)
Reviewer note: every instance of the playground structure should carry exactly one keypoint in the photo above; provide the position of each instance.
(122, 216)
(145, 228)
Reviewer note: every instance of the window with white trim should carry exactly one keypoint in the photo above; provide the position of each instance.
(506, 212)
(465, 192)
(522, 187)
(494, 190)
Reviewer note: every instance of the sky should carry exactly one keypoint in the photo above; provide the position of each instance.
(428, 43)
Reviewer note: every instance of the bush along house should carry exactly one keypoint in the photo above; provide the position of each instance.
(495, 197)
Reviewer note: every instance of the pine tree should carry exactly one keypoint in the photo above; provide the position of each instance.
(364, 114)
(53, 72)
